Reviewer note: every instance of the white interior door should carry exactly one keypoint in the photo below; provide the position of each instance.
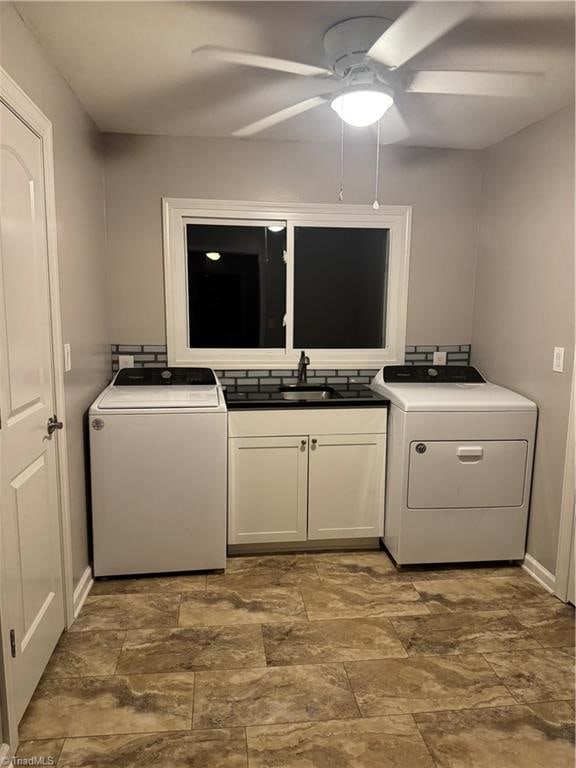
(31, 546)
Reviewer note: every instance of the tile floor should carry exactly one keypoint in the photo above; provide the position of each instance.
(312, 661)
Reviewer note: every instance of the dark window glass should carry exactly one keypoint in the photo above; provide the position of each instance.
(340, 287)
(236, 286)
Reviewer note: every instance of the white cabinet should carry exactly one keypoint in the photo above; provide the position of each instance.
(346, 486)
(268, 489)
(325, 482)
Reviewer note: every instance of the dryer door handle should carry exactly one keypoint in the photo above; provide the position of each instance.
(470, 452)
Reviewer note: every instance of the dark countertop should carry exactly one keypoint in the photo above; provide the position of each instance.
(243, 397)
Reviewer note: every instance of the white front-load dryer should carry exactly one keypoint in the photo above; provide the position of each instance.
(460, 453)
(159, 472)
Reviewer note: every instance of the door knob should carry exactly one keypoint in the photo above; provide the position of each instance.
(52, 425)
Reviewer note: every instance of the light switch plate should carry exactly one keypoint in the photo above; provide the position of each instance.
(67, 358)
(558, 362)
(125, 361)
(439, 358)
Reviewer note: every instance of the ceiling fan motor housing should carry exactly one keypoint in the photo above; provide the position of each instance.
(348, 41)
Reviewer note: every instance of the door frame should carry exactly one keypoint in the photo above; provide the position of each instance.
(566, 532)
(26, 110)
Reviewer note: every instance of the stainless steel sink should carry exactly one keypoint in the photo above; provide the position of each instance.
(307, 392)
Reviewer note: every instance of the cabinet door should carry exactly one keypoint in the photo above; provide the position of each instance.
(346, 486)
(267, 487)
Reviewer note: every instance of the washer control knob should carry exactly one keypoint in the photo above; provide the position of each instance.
(420, 448)
(432, 372)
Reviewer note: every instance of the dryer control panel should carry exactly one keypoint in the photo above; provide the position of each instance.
(433, 374)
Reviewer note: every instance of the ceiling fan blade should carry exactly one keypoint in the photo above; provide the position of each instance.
(467, 83)
(246, 59)
(281, 116)
(393, 127)
(421, 25)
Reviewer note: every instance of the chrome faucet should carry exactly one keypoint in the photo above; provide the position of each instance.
(303, 364)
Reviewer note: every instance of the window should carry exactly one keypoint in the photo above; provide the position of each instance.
(340, 287)
(236, 285)
(251, 284)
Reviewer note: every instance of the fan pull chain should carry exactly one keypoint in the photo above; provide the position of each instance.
(341, 191)
(376, 204)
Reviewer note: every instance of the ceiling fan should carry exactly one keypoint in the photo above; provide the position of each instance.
(366, 57)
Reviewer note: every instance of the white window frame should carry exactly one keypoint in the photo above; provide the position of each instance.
(178, 212)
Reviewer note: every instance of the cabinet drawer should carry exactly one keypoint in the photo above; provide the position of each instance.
(307, 421)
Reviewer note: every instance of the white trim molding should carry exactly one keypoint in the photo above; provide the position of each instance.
(177, 212)
(82, 590)
(5, 755)
(539, 573)
(567, 525)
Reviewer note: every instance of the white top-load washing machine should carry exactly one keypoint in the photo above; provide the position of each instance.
(459, 469)
(158, 472)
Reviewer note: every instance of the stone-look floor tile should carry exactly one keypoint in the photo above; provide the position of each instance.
(92, 706)
(269, 571)
(40, 752)
(368, 570)
(80, 654)
(552, 626)
(189, 649)
(435, 573)
(150, 584)
(444, 595)
(229, 606)
(219, 748)
(128, 612)
(396, 686)
(536, 736)
(449, 633)
(333, 601)
(546, 674)
(374, 559)
(313, 642)
(272, 695)
(379, 742)
(361, 573)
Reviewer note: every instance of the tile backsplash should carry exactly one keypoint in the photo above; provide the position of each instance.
(154, 356)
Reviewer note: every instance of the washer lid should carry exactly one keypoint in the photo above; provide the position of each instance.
(174, 396)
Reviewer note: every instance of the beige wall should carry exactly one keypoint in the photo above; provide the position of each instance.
(80, 221)
(443, 186)
(524, 304)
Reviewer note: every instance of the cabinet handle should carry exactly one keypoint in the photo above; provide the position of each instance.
(302, 445)
(314, 443)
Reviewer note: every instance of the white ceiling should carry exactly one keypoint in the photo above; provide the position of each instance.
(130, 65)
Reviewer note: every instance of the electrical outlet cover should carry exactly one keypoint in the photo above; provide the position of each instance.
(125, 361)
(439, 358)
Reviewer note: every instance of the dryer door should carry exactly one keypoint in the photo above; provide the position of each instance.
(466, 474)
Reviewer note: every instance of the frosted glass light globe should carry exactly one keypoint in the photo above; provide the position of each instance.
(362, 107)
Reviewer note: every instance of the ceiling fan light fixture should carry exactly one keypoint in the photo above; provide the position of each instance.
(362, 106)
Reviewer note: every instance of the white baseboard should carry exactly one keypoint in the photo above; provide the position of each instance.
(538, 572)
(82, 589)
(5, 755)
